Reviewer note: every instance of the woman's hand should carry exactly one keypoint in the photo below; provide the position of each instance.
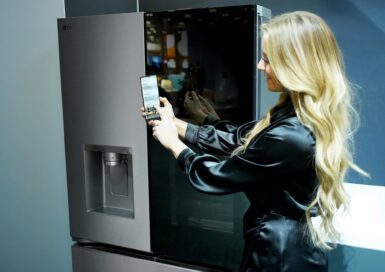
(166, 132)
(194, 107)
(169, 113)
(167, 109)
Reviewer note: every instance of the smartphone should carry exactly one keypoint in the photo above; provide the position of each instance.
(150, 93)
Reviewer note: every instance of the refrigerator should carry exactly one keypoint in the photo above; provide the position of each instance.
(130, 207)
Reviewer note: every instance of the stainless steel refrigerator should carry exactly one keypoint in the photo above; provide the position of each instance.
(131, 208)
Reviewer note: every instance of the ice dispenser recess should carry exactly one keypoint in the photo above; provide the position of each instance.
(109, 180)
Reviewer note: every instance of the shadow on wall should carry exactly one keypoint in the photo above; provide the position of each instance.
(354, 259)
(337, 260)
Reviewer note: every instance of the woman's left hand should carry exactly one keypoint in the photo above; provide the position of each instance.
(165, 130)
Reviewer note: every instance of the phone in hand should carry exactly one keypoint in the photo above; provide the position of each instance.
(150, 93)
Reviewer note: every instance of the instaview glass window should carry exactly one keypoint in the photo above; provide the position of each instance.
(210, 51)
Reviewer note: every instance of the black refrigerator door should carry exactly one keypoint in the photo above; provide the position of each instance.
(212, 51)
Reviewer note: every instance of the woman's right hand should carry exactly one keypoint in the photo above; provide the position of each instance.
(168, 112)
(165, 129)
(166, 109)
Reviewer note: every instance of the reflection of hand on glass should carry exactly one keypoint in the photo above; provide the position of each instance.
(199, 108)
(194, 107)
(208, 108)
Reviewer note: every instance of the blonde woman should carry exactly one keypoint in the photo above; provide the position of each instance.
(291, 164)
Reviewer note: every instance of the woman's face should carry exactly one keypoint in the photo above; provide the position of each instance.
(272, 82)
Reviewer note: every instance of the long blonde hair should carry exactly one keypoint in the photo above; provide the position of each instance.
(305, 57)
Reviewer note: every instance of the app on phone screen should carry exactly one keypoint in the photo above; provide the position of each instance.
(150, 96)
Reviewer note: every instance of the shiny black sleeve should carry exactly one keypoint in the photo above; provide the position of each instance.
(212, 140)
(278, 154)
(223, 125)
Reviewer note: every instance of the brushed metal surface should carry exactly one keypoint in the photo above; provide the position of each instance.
(92, 260)
(102, 58)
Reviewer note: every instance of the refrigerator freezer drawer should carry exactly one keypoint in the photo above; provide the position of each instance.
(93, 260)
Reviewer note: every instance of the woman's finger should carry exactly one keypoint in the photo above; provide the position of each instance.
(155, 123)
(161, 112)
(164, 101)
(142, 112)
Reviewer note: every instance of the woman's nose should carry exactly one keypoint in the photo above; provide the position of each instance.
(261, 65)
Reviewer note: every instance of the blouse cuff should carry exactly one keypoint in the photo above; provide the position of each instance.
(183, 157)
(191, 133)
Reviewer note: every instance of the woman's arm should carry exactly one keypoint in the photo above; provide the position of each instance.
(208, 138)
(166, 132)
(278, 154)
(216, 141)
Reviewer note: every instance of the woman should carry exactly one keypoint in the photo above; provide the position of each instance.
(291, 164)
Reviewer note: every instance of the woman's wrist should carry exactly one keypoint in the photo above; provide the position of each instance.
(181, 127)
(177, 147)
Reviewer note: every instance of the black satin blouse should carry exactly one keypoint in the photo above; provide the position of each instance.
(276, 172)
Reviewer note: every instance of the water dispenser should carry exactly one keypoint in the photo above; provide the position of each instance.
(108, 178)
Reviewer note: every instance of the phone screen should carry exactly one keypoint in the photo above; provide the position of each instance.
(150, 94)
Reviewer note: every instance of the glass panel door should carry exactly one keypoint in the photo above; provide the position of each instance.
(211, 51)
